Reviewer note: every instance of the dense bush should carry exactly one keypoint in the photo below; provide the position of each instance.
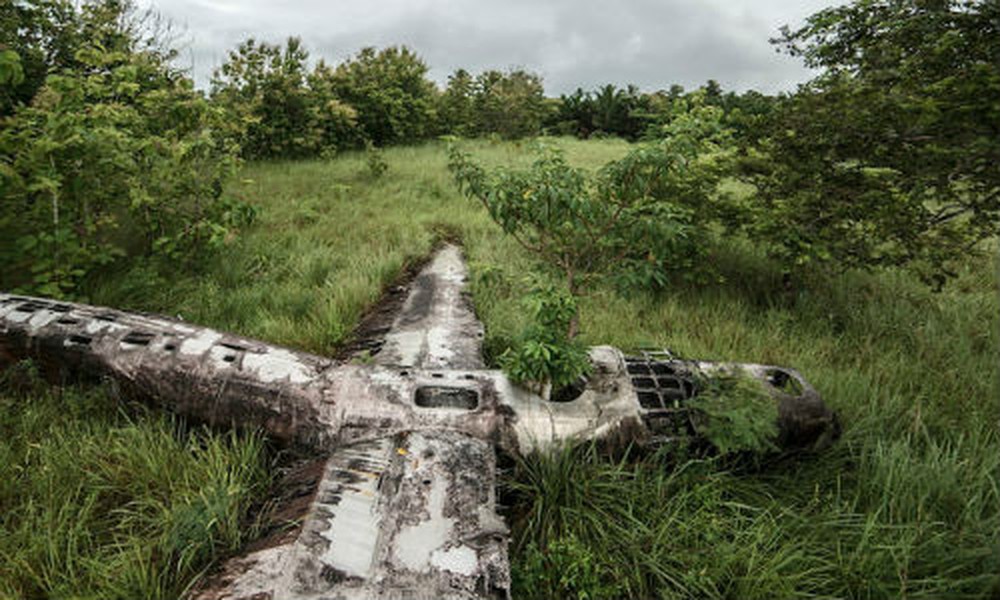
(609, 110)
(889, 156)
(278, 107)
(116, 156)
(390, 91)
(509, 104)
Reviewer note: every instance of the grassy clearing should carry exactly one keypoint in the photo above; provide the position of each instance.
(907, 504)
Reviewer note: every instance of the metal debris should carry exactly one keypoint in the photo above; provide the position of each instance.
(406, 505)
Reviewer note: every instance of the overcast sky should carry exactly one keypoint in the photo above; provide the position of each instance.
(652, 43)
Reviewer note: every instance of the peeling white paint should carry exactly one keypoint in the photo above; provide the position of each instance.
(95, 326)
(415, 544)
(441, 331)
(439, 347)
(18, 316)
(353, 529)
(218, 355)
(276, 365)
(6, 307)
(42, 318)
(460, 559)
(200, 343)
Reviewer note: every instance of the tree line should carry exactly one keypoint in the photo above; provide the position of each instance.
(383, 97)
(887, 157)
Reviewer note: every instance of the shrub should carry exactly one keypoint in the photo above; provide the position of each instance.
(546, 358)
(118, 157)
(277, 107)
(736, 414)
(377, 166)
(390, 91)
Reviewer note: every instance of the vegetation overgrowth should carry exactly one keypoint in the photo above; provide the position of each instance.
(799, 230)
(905, 503)
(104, 499)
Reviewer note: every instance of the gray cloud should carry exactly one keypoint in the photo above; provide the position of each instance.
(652, 43)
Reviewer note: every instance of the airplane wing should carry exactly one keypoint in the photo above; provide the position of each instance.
(407, 516)
(436, 327)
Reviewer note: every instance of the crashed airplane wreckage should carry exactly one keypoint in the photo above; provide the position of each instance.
(406, 504)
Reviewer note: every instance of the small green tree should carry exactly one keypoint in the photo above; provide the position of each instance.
(637, 219)
(456, 108)
(546, 358)
(510, 104)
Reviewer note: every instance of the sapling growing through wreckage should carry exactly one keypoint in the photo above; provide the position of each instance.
(637, 220)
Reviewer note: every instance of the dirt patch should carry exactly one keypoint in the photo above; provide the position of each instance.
(288, 502)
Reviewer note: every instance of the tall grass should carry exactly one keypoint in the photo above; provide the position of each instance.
(906, 504)
(100, 502)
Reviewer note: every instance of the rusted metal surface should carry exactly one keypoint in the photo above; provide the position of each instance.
(405, 505)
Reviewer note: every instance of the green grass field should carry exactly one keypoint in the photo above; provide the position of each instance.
(104, 500)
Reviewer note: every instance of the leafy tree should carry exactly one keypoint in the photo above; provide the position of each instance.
(889, 156)
(115, 156)
(280, 108)
(641, 216)
(390, 91)
(457, 104)
(45, 35)
(576, 114)
(636, 220)
(336, 120)
(510, 104)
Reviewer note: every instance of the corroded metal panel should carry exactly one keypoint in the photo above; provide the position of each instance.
(195, 371)
(436, 327)
(407, 516)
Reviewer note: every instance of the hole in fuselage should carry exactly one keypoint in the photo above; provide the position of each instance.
(784, 381)
(662, 369)
(649, 399)
(31, 306)
(643, 382)
(569, 392)
(80, 340)
(446, 397)
(138, 338)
